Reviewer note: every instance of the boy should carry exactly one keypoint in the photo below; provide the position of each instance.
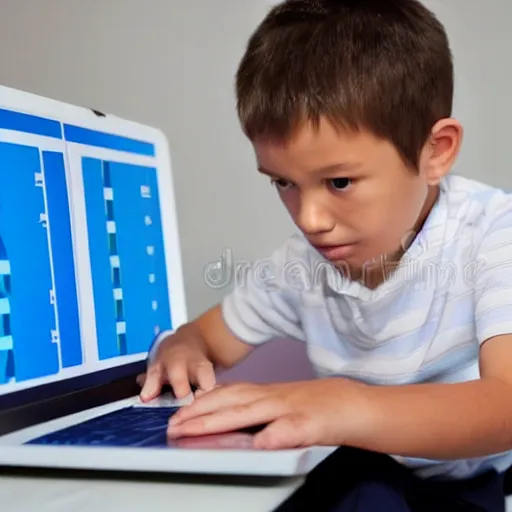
(401, 284)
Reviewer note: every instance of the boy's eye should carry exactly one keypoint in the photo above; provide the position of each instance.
(280, 183)
(341, 183)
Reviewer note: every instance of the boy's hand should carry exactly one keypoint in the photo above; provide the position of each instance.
(181, 360)
(322, 412)
(190, 355)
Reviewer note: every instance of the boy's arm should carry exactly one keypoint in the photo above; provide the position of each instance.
(251, 314)
(218, 342)
(431, 421)
(443, 421)
(222, 347)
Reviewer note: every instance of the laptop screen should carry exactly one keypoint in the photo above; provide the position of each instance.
(84, 277)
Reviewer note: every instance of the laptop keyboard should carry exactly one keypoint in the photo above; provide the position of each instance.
(129, 427)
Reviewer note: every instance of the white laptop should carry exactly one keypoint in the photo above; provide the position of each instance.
(90, 274)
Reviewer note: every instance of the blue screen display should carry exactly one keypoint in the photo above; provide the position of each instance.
(128, 264)
(41, 318)
(40, 332)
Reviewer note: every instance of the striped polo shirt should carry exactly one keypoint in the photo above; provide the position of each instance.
(451, 291)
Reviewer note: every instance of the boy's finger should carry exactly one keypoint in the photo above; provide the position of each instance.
(224, 420)
(199, 392)
(204, 376)
(140, 379)
(153, 382)
(177, 376)
(222, 398)
(286, 432)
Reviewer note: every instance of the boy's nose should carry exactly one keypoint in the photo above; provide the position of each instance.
(313, 218)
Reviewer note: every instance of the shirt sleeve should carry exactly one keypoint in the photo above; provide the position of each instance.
(259, 306)
(493, 279)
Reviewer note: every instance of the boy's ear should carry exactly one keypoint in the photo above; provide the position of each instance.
(442, 149)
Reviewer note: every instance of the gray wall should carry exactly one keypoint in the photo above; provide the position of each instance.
(170, 63)
(167, 63)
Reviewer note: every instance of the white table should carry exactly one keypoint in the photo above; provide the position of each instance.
(43, 492)
(39, 492)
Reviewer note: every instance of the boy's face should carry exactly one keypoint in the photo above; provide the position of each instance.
(350, 194)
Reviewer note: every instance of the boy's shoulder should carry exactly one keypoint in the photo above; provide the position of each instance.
(473, 203)
(466, 216)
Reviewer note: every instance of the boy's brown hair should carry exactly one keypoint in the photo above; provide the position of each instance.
(380, 65)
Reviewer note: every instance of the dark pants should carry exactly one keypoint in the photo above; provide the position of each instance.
(352, 480)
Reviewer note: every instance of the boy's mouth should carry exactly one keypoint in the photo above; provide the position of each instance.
(335, 252)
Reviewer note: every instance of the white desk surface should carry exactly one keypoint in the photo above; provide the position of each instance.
(42, 492)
